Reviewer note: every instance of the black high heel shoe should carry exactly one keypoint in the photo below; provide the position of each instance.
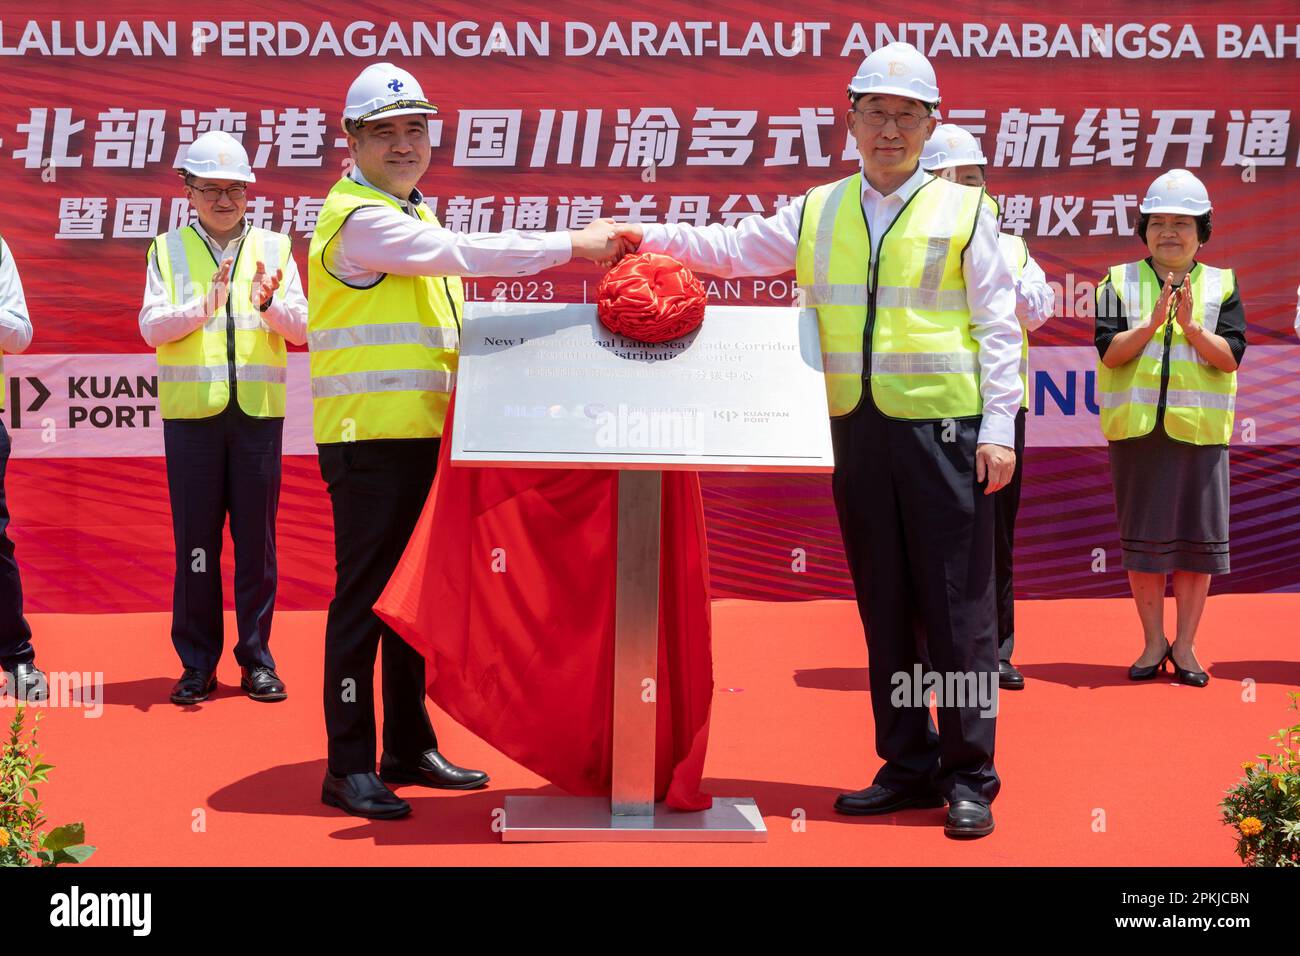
(1190, 678)
(1148, 673)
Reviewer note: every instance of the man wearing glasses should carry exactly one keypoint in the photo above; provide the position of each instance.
(221, 298)
(921, 352)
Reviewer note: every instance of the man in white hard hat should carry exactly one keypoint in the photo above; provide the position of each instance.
(23, 680)
(920, 347)
(384, 334)
(954, 154)
(221, 299)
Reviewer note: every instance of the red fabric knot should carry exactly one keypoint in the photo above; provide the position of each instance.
(650, 298)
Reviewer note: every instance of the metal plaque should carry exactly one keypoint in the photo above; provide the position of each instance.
(545, 384)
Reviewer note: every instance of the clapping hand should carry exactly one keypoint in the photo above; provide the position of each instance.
(1161, 311)
(219, 290)
(1183, 308)
(264, 286)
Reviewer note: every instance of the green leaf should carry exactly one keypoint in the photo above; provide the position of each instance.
(79, 853)
(65, 836)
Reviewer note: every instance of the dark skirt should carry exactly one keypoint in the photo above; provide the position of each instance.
(1171, 499)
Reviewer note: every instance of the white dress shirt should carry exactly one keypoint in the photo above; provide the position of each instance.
(378, 240)
(1035, 299)
(758, 246)
(162, 321)
(15, 326)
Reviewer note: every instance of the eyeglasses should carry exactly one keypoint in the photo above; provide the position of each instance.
(213, 194)
(901, 120)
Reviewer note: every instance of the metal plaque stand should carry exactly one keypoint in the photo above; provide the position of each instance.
(630, 814)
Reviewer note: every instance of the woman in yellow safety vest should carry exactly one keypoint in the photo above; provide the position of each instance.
(1171, 332)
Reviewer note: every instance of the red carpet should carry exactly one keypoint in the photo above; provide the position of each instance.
(791, 727)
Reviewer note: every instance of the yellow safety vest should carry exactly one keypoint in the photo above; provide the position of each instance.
(1200, 398)
(1015, 251)
(383, 356)
(909, 302)
(194, 372)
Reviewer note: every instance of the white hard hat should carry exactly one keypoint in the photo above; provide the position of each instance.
(900, 69)
(218, 155)
(1176, 191)
(385, 90)
(951, 146)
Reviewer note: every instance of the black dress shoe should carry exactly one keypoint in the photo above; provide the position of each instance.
(1184, 676)
(878, 799)
(362, 795)
(433, 770)
(1009, 678)
(28, 682)
(1148, 673)
(195, 685)
(262, 683)
(968, 818)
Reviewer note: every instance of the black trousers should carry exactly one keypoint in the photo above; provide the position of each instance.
(918, 536)
(377, 490)
(15, 634)
(228, 464)
(1006, 506)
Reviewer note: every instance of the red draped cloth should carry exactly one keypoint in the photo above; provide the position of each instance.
(651, 298)
(507, 589)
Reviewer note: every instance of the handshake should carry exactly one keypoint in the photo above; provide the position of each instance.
(605, 241)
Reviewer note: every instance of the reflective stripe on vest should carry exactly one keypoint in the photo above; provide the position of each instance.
(396, 333)
(400, 380)
(1015, 251)
(383, 357)
(194, 372)
(924, 363)
(1200, 399)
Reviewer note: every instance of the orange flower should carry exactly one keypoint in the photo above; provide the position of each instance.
(4, 838)
(1248, 765)
(1250, 826)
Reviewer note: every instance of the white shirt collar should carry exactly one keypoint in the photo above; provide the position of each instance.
(903, 193)
(216, 246)
(415, 198)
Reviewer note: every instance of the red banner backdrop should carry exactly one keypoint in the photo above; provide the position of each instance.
(554, 114)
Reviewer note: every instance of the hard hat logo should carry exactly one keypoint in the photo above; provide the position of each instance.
(897, 68)
(223, 159)
(954, 142)
(395, 85)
